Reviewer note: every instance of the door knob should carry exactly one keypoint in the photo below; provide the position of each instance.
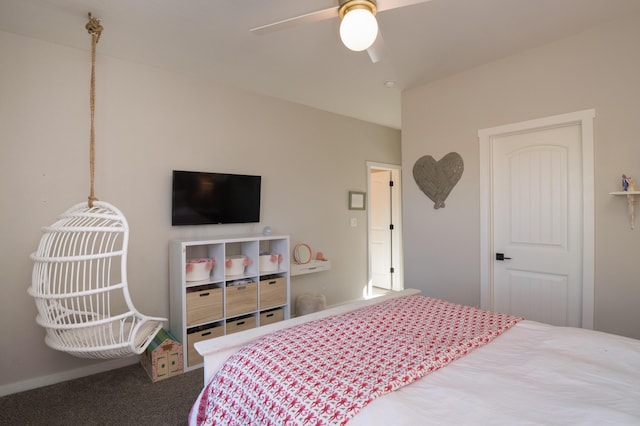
(500, 256)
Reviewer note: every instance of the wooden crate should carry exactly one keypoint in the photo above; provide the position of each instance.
(241, 324)
(273, 292)
(204, 305)
(241, 299)
(198, 335)
(163, 358)
(271, 316)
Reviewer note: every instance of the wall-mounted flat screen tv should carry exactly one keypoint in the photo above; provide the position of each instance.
(201, 198)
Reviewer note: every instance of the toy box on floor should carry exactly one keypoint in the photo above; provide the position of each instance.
(163, 358)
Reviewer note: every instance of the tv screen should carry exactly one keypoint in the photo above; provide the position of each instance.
(201, 198)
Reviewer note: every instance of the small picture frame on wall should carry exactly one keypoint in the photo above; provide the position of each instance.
(357, 200)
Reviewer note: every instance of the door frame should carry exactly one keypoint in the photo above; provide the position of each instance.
(486, 139)
(397, 282)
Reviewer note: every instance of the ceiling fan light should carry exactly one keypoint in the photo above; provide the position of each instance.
(358, 29)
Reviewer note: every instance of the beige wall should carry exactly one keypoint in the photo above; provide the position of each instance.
(149, 122)
(596, 69)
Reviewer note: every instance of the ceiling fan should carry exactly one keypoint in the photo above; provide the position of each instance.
(358, 22)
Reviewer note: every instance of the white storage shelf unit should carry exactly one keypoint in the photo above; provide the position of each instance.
(223, 304)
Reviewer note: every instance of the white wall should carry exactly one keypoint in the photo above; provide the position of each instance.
(149, 122)
(596, 69)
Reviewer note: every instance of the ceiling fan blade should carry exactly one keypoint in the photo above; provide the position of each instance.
(331, 12)
(319, 15)
(395, 4)
(377, 50)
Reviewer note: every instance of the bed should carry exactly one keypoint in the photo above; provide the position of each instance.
(488, 368)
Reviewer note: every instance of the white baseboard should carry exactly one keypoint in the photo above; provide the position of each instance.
(64, 376)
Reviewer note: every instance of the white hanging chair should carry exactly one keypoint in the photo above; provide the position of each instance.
(80, 286)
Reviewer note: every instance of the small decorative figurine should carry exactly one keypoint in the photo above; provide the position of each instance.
(628, 184)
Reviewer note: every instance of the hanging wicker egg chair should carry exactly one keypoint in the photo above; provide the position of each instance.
(80, 286)
(79, 279)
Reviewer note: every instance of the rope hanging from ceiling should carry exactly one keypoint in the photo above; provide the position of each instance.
(95, 30)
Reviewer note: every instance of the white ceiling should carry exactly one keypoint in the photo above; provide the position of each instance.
(308, 64)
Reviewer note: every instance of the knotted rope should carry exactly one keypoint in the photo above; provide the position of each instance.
(95, 29)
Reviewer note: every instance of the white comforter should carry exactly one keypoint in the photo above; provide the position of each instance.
(532, 374)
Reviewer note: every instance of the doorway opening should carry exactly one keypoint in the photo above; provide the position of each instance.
(384, 219)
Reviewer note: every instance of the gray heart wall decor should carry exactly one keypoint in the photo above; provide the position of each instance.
(437, 178)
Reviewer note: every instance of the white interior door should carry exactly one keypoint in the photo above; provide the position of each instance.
(537, 225)
(380, 243)
(539, 192)
(385, 227)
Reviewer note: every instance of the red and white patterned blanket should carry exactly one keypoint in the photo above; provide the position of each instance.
(325, 371)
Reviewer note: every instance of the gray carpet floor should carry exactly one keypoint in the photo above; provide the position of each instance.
(125, 396)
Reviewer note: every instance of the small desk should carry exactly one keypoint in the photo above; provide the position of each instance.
(309, 268)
